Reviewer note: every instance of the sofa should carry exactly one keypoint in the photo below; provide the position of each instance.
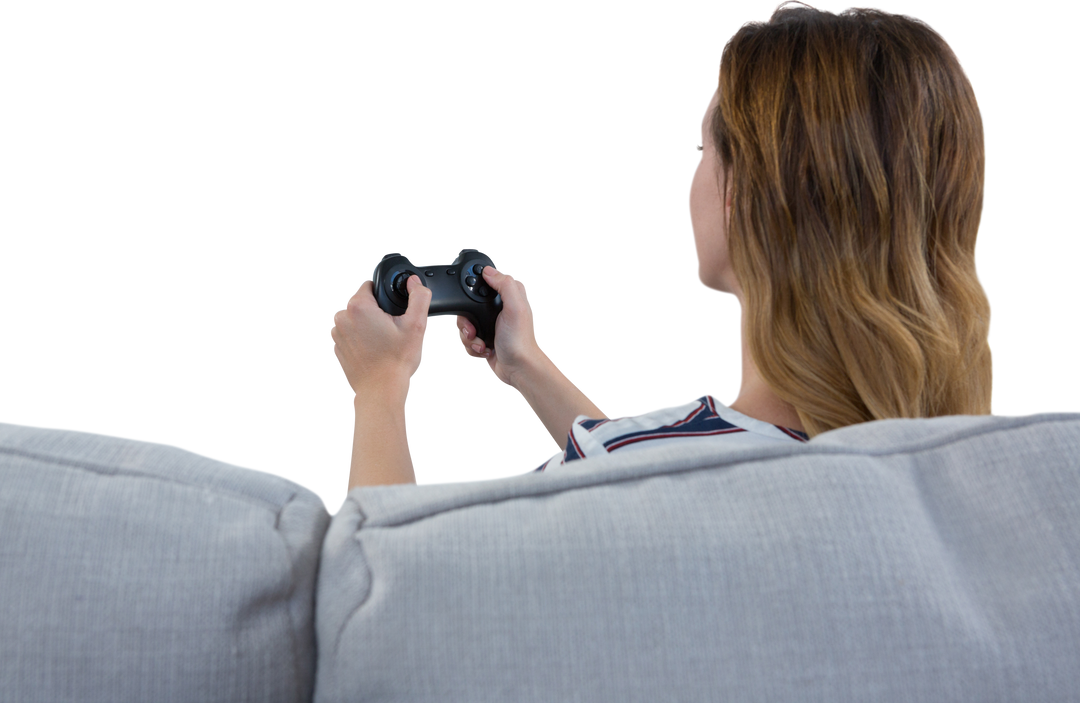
(916, 560)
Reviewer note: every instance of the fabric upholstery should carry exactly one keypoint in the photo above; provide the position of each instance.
(132, 571)
(893, 561)
(898, 560)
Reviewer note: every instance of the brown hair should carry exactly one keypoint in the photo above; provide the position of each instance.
(854, 148)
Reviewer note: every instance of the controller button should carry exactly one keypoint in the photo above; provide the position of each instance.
(451, 272)
(470, 281)
(478, 269)
(483, 290)
(429, 273)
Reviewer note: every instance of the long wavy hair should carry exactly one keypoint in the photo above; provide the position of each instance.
(853, 145)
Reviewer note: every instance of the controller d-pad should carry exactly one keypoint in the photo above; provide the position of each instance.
(401, 283)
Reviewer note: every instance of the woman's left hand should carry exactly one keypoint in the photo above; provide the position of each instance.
(376, 348)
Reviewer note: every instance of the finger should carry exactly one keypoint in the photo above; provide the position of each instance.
(464, 340)
(503, 284)
(419, 298)
(473, 344)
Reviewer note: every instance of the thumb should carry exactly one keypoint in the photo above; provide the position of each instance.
(419, 298)
(497, 280)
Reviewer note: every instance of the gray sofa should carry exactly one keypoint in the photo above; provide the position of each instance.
(897, 560)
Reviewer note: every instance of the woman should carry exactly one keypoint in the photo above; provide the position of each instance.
(838, 198)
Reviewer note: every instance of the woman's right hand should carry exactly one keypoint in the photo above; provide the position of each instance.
(515, 342)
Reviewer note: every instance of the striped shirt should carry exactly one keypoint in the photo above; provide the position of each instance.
(704, 420)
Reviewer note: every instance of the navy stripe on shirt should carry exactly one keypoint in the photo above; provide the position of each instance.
(700, 422)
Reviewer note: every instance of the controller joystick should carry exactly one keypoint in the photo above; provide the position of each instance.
(456, 289)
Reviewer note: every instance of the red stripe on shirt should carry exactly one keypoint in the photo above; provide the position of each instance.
(642, 438)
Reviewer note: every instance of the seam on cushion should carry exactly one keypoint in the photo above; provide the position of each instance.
(289, 594)
(370, 578)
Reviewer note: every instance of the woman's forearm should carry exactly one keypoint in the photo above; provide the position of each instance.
(553, 397)
(380, 453)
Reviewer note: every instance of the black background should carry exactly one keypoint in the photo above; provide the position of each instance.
(197, 197)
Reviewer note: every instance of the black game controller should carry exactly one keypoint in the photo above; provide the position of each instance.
(457, 289)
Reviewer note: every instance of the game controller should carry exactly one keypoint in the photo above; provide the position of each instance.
(456, 289)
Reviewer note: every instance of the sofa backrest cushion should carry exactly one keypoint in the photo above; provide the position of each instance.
(898, 560)
(132, 571)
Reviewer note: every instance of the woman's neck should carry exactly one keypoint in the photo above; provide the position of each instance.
(757, 400)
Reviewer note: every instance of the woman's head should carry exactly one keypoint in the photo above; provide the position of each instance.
(851, 149)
